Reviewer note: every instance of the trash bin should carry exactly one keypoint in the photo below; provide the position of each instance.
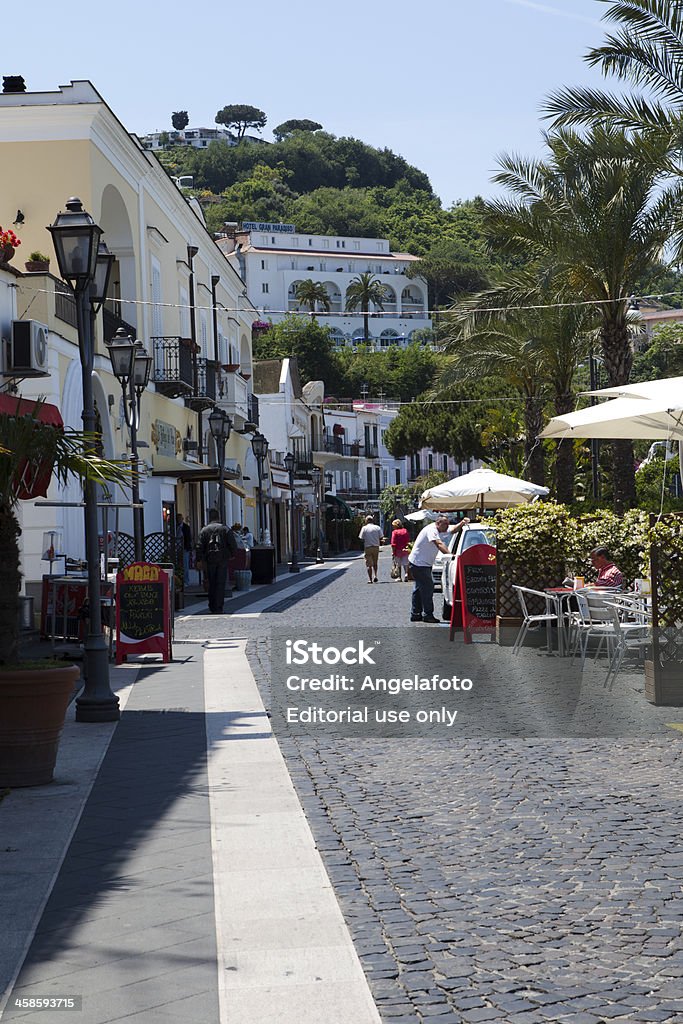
(263, 563)
(26, 620)
(242, 579)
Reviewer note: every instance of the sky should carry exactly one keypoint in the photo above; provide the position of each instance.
(448, 84)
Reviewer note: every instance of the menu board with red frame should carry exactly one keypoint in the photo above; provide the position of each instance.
(474, 597)
(143, 612)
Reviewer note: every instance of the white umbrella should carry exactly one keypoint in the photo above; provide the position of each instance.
(482, 488)
(420, 516)
(651, 409)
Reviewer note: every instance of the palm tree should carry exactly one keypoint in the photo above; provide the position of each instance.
(591, 220)
(543, 343)
(481, 347)
(646, 50)
(27, 448)
(365, 290)
(313, 294)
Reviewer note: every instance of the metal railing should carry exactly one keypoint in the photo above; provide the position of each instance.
(173, 372)
(204, 395)
(111, 323)
(252, 409)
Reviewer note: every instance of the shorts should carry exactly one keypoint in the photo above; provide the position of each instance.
(371, 557)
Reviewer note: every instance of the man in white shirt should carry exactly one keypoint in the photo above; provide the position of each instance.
(371, 535)
(422, 557)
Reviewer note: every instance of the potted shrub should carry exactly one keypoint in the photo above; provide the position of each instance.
(33, 696)
(8, 243)
(37, 262)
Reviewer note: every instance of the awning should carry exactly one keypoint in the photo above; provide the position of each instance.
(235, 488)
(280, 478)
(187, 472)
(32, 480)
(339, 505)
(14, 406)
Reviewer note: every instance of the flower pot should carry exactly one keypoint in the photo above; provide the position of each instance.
(231, 367)
(37, 266)
(33, 704)
(6, 253)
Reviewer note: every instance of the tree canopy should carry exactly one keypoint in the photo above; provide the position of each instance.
(180, 119)
(281, 131)
(241, 116)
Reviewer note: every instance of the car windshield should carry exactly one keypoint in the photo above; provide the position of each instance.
(483, 535)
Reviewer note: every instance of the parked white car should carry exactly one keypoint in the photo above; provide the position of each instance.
(471, 534)
(437, 568)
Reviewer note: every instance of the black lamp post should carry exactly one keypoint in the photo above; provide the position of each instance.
(76, 237)
(316, 475)
(259, 446)
(595, 443)
(132, 367)
(220, 426)
(289, 466)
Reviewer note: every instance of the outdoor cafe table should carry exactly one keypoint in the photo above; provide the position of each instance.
(559, 596)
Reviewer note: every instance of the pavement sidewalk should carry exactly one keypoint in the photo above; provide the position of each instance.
(169, 873)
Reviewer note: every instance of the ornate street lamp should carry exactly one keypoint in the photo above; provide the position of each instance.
(259, 446)
(76, 237)
(220, 426)
(132, 367)
(316, 475)
(289, 466)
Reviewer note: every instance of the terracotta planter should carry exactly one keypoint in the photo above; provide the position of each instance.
(6, 253)
(33, 704)
(37, 266)
(231, 367)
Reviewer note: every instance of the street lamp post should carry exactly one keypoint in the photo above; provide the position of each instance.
(76, 236)
(289, 466)
(132, 367)
(316, 475)
(595, 443)
(259, 446)
(220, 426)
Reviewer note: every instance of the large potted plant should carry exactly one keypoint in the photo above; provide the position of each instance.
(34, 696)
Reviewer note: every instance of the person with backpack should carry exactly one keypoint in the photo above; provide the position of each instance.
(216, 546)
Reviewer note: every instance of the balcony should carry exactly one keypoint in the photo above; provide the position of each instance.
(111, 324)
(235, 398)
(204, 396)
(173, 371)
(303, 457)
(331, 443)
(252, 411)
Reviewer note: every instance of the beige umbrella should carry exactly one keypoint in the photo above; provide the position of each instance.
(482, 488)
(652, 409)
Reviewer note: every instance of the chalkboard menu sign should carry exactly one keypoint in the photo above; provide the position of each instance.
(143, 617)
(477, 588)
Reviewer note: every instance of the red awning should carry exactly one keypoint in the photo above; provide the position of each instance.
(34, 480)
(14, 406)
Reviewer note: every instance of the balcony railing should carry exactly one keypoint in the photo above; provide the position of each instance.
(111, 323)
(173, 371)
(330, 443)
(204, 396)
(252, 410)
(65, 304)
(235, 397)
(303, 457)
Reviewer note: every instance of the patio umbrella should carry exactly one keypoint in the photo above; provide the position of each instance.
(421, 516)
(651, 409)
(482, 488)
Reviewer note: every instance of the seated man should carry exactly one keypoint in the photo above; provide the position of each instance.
(609, 577)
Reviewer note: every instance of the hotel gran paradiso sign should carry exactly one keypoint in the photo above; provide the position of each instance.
(257, 225)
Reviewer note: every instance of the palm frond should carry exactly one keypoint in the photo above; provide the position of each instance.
(581, 105)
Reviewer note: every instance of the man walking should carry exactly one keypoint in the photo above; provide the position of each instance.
(371, 535)
(421, 560)
(216, 546)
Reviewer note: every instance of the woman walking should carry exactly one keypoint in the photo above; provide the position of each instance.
(400, 539)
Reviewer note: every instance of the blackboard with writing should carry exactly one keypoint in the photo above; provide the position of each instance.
(142, 611)
(480, 588)
(477, 572)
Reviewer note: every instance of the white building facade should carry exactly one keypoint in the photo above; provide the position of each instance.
(273, 260)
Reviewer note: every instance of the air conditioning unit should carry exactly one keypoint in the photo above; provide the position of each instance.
(28, 349)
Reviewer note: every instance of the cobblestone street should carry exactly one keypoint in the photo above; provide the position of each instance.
(514, 880)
